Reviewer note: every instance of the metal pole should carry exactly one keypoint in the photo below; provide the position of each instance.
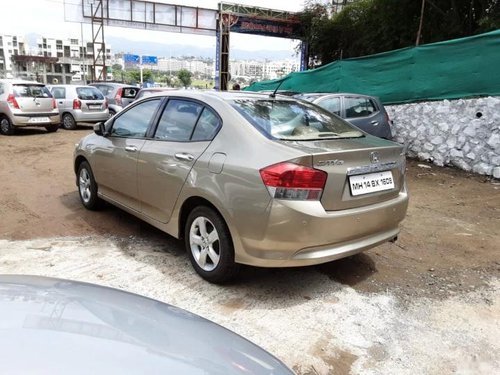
(421, 22)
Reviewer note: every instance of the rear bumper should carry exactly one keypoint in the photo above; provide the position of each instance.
(91, 117)
(28, 119)
(303, 233)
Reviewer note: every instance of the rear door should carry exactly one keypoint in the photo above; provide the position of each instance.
(184, 131)
(363, 112)
(33, 98)
(62, 97)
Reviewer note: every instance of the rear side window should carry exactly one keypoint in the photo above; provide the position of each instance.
(207, 126)
(178, 120)
(293, 120)
(331, 105)
(89, 93)
(31, 91)
(359, 107)
(59, 92)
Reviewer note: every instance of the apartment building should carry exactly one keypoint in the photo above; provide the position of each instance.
(10, 45)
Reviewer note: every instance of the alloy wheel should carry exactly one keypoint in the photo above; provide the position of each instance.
(204, 243)
(84, 185)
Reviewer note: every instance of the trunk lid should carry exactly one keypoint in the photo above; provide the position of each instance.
(33, 98)
(360, 161)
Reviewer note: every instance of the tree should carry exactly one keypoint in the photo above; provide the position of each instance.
(184, 77)
(366, 27)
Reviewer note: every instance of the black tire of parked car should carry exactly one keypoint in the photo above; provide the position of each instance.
(226, 269)
(68, 122)
(94, 203)
(112, 112)
(6, 127)
(52, 128)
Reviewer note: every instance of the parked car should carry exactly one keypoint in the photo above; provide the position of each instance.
(79, 104)
(26, 103)
(119, 95)
(245, 178)
(55, 326)
(365, 112)
(145, 92)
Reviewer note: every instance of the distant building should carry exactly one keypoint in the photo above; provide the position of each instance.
(10, 45)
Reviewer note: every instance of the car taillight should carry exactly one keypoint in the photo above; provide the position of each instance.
(118, 96)
(54, 105)
(12, 101)
(77, 104)
(293, 181)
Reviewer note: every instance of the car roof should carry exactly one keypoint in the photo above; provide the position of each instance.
(221, 95)
(21, 82)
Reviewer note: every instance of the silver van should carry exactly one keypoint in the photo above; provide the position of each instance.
(26, 103)
(79, 104)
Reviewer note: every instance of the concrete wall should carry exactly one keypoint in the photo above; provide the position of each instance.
(464, 133)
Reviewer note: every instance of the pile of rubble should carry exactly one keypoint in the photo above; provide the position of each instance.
(464, 133)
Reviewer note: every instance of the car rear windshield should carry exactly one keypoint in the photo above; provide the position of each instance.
(293, 120)
(89, 93)
(31, 91)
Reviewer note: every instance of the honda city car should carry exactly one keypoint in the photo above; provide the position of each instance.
(246, 178)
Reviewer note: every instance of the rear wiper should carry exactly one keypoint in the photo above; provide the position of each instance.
(329, 134)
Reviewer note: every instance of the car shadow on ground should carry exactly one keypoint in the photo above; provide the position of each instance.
(254, 287)
(22, 132)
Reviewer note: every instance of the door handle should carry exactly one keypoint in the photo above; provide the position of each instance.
(130, 148)
(184, 157)
(374, 123)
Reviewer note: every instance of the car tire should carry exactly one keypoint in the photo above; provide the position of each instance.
(6, 127)
(87, 187)
(52, 128)
(112, 112)
(209, 245)
(68, 122)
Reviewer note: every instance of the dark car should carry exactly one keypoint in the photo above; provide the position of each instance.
(55, 326)
(363, 111)
(119, 95)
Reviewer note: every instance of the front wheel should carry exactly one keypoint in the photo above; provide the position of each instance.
(209, 246)
(87, 187)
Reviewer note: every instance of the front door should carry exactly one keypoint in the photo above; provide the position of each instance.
(115, 157)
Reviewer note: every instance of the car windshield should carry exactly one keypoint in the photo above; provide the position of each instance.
(293, 120)
(89, 93)
(31, 91)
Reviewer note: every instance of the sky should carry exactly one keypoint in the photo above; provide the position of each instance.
(47, 17)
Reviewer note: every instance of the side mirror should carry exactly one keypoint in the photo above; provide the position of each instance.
(100, 129)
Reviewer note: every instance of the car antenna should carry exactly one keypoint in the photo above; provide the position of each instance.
(273, 94)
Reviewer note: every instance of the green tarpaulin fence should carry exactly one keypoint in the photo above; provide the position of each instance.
(452, 69)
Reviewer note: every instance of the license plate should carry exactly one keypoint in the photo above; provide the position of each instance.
(371, 183)
(39, 119)
(94, 107)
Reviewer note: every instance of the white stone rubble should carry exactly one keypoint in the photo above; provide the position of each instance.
(464, 133)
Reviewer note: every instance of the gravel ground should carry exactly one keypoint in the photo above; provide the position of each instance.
(426, 304)
(316, 325)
